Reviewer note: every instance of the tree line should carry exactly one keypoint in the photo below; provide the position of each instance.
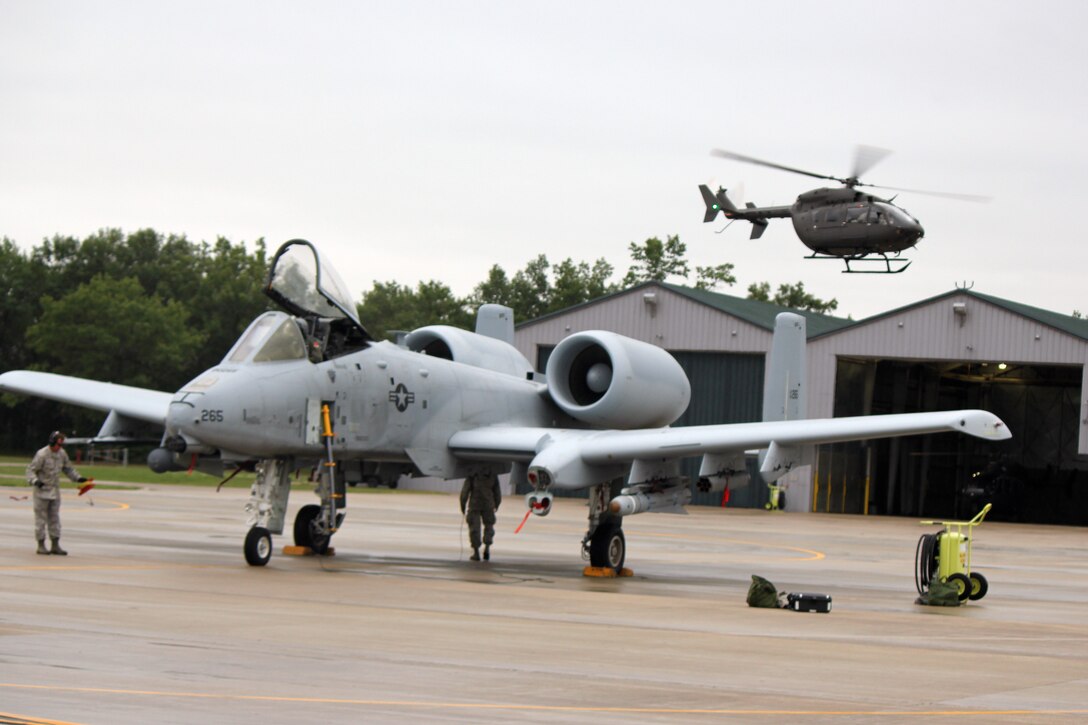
(154, 310)
(541, 288)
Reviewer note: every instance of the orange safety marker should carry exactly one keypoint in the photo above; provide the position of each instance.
(518, 529)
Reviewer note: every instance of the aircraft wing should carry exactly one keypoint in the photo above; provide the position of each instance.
(579, 458)
(139, 403)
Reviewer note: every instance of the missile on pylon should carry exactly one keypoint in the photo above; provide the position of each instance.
(671, 500)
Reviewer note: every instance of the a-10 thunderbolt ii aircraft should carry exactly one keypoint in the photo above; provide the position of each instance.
(309, 389)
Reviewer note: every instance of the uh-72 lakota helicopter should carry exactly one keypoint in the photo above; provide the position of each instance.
(835, 223)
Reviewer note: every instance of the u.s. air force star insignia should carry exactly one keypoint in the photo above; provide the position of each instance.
(401, 397)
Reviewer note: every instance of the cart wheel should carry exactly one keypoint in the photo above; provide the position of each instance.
(962, 584)
(979, 586)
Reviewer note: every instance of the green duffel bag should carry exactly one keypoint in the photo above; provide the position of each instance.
(761, 593)
(940, 594)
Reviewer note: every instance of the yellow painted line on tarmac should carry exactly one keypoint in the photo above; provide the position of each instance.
(105, 567)
(116, 505)
(809, 554)
(8, 718)
(426, 705)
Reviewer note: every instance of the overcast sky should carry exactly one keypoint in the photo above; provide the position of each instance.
(430, 140)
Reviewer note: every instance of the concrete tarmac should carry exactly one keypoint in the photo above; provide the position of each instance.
(156, 618)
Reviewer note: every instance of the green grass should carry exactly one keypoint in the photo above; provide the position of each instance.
(139, 474)
(134, 473)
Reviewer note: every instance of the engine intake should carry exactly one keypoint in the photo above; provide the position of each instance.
(452, 343)
(609, 380)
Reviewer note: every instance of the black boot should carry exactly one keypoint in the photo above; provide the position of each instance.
(41, 547)
(475, 554)
(487, 552)
(57, 550)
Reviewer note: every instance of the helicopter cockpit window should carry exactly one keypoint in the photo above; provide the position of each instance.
(897, 216)
(857, 214)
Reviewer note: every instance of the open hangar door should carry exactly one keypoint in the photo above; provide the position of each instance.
(1036, 477)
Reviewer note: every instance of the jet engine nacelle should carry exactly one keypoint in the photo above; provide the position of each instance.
(453, 343)
(612, 381)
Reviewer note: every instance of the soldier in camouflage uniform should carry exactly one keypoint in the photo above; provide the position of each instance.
(480, 499)
(43, 474)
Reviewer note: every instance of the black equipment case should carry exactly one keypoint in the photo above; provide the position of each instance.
(802, 602)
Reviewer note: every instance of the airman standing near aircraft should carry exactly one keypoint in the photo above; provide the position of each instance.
(43, 474)
(480, 499)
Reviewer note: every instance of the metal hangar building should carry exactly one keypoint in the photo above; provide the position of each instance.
(962, 349)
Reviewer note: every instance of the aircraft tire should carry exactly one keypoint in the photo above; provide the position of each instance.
(962, 584)
(258, 546)
(979, 586)
(608, 547)
(303, 519)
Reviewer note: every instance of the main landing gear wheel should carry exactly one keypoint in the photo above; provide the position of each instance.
(608, 547)
(306, 530)
(258, 546)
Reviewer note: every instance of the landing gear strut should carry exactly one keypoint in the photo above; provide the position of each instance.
(604, 544)
(266, 508)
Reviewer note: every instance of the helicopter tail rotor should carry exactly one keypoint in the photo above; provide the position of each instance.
(716, 203)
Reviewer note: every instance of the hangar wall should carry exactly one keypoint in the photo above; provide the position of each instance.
(960, 326)
(914, 346)
(651, 313)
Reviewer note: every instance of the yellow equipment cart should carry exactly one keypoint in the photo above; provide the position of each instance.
(946, 555)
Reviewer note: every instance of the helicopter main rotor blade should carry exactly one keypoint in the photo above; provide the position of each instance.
(760, 162)
(926, 192)
(866, 157)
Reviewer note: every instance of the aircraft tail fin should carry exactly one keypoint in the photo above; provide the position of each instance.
(784, 393)
(715, 203)
(784, 384)
(496, 321)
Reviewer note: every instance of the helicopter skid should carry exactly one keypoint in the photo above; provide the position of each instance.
(900, 264)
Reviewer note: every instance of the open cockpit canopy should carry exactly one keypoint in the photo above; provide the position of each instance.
(303, 282)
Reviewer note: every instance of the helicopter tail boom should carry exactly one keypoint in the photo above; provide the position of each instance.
(758, 216)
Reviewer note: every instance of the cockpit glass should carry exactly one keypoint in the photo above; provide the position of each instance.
(296, 279)
(897, 215)
(284, 344)
(303, 283)
(274, 336)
